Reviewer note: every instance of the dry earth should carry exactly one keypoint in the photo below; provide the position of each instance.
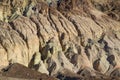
(68, 39)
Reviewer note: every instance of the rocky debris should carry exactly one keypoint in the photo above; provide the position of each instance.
(68, 75)
(19, 71)
(72, 37)
(110, 7)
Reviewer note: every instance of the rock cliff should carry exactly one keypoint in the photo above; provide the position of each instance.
(66, 39)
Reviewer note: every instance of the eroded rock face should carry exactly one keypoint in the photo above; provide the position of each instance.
(72, 36)
(109, 7)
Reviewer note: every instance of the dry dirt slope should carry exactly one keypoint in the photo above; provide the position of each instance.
(73, 36)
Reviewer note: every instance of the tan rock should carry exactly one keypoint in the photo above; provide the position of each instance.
(73, 40)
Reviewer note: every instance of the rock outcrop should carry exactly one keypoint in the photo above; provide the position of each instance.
(19, 72)
(57, 38)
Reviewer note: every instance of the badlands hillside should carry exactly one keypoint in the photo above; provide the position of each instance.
(59, 39)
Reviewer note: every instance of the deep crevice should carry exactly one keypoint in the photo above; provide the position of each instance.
(21, 35)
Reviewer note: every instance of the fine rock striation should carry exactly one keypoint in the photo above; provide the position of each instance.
(60, 37)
